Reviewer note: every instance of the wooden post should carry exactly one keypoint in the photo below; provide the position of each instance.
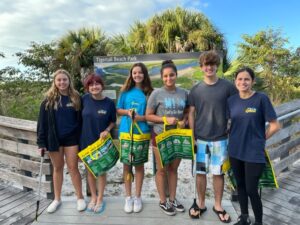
(50, 195)
(24, 172)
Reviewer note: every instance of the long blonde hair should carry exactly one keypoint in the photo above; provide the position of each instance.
(53, 96)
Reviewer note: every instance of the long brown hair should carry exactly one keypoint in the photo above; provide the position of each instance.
(146, 84)
(53, 96)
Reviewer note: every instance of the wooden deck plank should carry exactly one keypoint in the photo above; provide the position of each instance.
(282, 206)
(27, 215)
(280, 211)
(114, 214)
(11, 197)
(13, 207)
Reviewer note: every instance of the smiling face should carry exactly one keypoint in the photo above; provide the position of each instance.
(95, 88)
(209, 70)
(169, 77)
(137, 75)
(62, 82)
(244, 82)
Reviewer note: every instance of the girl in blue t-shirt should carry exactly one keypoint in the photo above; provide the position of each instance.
(98, 118)
(134, 97)
(58, 132)
(249, 111)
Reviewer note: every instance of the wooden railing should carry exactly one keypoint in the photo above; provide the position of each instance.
(281, 145)
(20, 158)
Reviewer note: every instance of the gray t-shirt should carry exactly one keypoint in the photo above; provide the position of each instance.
(167, 103)
(210, 103)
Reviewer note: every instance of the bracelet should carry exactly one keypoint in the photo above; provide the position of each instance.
(107, 130)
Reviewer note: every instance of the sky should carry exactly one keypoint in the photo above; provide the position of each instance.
(43, 21)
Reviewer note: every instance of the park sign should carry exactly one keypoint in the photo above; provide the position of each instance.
(115, 69)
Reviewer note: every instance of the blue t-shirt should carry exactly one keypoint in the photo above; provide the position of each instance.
(247, 132)
(66, 119)
(133, 99)
(96, 117)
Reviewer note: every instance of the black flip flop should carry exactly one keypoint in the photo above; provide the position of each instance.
(222, 213)
(202, 210)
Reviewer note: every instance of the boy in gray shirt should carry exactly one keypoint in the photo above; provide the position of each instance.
(207, 118)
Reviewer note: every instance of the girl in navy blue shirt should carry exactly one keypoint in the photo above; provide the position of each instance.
(249, 111)
(58, 133)
(98, 118)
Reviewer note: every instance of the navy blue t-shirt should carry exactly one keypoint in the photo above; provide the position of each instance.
(247, 132)
(66, 119)
(96, 117)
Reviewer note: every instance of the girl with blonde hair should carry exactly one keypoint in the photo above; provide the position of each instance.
(58, 133)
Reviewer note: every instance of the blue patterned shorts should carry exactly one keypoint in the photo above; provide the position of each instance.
(210, 156)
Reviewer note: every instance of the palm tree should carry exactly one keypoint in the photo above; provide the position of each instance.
(77, 49)
(118, 45)
(175, 30)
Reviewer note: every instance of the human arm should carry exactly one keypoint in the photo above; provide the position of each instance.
(42, 128)
(104, 133)
(182, 123)
(128, 112)
(274, 126)
(191, 119)
(151, 117)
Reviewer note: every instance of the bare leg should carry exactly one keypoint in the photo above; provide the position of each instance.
(218, 183)
(160, 177)
(172, 178)
(72, 163)
(139, 177)
(101, 187)
(127, 182)
(201, 189)
(92, 184)
(57, 159)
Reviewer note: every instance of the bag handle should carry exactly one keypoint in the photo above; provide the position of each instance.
(90, 147)
(92, 157)
(166, 123)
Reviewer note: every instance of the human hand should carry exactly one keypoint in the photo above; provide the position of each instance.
(42, 151)
(171, 120)
(181, 124)
(103, 134)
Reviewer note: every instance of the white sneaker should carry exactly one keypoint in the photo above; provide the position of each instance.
(128, 207)
(81, 205)
(137, 205)
(53, 206)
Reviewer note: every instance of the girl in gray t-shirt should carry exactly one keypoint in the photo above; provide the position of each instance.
(167, 105)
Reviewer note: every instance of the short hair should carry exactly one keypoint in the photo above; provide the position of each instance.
(209, 58)
(245, 69)
(90, 79)
(168, 64)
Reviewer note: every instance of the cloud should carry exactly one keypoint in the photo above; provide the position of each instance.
(24, 21)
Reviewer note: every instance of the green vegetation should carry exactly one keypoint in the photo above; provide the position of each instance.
(174, 30)
(277, 67)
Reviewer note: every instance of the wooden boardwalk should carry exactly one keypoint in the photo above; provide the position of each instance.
(114, 214)
(282, 206)
(17, 206)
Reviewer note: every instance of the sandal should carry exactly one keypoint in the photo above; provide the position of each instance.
(99, 208)
(219, 213)
(202, 210)
(91, 207)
